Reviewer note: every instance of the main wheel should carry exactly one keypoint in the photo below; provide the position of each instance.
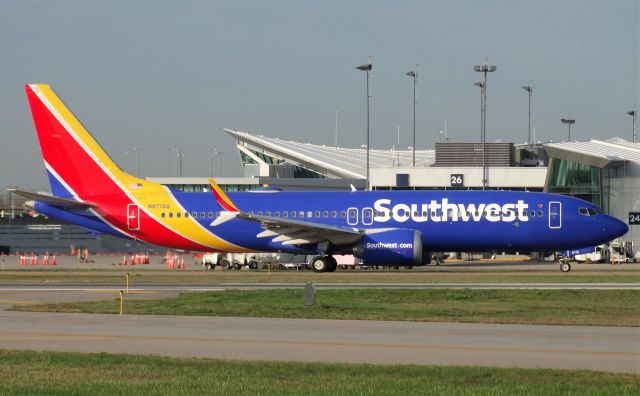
(225, 264)
(332, 263)
(565, 267)
(208, 266)
(320, 264)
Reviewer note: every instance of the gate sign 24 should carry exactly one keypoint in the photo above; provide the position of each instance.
(634, 217)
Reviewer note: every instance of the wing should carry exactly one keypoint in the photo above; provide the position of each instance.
(294, 232)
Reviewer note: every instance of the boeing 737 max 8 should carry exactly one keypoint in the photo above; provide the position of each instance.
(380, 227)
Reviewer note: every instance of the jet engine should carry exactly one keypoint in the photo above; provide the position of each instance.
(390, 247)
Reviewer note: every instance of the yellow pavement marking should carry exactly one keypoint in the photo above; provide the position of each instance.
(17, 301)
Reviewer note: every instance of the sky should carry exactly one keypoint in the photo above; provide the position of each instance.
(161, 74)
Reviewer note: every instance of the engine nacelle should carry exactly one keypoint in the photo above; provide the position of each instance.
(391, 247)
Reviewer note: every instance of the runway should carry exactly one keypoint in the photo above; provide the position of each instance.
(569, 347)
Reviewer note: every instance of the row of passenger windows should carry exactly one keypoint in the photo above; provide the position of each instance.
(285, 214)
(367, 214)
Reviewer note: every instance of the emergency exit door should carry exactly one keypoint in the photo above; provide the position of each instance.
(555, 214)
(133, 217)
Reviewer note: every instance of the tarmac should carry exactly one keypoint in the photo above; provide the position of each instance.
(615, 349)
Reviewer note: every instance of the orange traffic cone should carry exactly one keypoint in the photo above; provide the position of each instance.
(53, 260)
(45, 259)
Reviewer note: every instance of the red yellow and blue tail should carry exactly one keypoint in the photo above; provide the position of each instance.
(79, 169)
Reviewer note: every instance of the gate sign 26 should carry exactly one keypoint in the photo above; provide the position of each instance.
(634, 217)
(457, 180)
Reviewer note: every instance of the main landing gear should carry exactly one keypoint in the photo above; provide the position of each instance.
(324, 264)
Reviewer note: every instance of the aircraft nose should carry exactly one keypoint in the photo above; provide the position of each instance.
(615, 228)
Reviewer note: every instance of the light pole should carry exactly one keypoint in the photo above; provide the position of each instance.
(211, 152)
(180, 157)
(568, 122)
(633, 114)
(219, 153)
(414, 74)
(367, 67)
(484, 69)
(529, 88)
(136, 151)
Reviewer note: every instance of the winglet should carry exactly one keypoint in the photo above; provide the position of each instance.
(222, 198)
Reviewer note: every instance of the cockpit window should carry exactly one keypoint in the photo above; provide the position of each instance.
(589, 211)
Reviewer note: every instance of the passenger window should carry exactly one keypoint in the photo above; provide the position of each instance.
(285, 214)
(170, 215)
(317, 214)
(309, 214)
(194, 214)
(179, 214)
(210, 215)
(267, 213)
(259, 213)
(343, 214)
(539, 213)
(302, 214)
(334, 214)
(186, 214)
(162, 215)
(293, 214)
(202, 215)
(532, 213)
(276, 214)
(325, 214)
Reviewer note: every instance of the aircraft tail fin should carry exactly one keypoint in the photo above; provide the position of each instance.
(76, 164)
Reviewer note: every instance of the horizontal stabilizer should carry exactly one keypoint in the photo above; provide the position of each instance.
(51, 200)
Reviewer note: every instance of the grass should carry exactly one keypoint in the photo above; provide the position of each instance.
(53, 373)
(563, 307)
(601, 275)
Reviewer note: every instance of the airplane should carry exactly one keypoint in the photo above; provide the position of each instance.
(382, 228)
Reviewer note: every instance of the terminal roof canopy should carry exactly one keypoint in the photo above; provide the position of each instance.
(335, 162)
(610, 153)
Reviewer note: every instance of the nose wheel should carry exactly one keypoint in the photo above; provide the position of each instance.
(565, 267)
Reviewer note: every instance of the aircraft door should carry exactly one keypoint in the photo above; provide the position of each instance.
(367, 216)
(555, 214)
(133, 217)
(352, 216)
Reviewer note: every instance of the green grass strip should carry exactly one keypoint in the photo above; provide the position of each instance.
(54, 373)
(563, 307)
(139, 277)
